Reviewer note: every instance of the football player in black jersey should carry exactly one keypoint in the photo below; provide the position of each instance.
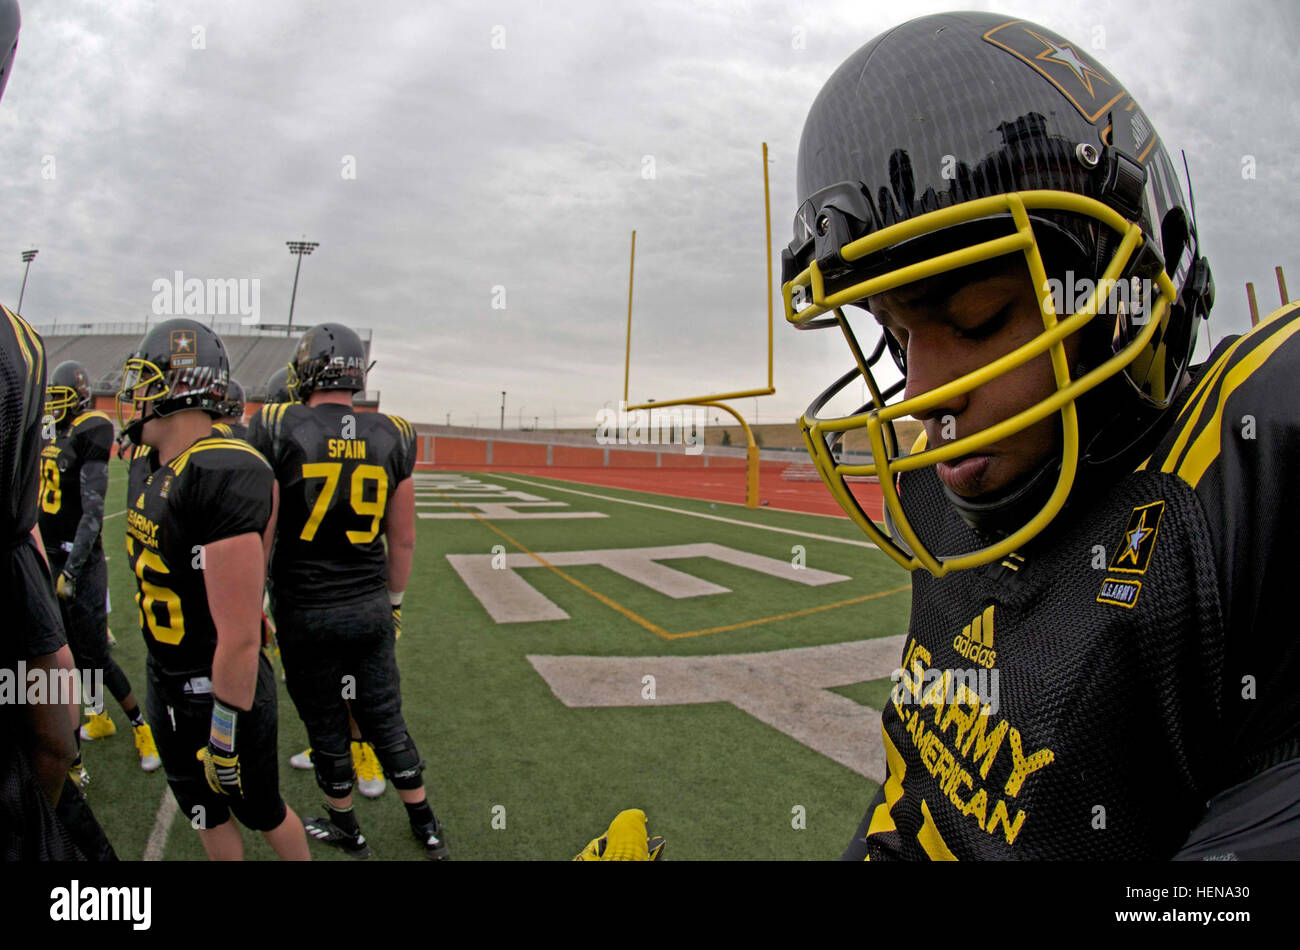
(1102, 535)
(74, 480)
(345, 490)
(201, 512)
(277, 387)
(231, 424)
(36, 738)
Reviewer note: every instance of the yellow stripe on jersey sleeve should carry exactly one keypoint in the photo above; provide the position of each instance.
(24, 334)
(178, 464)
(87, 416)
(1207, 445)
(1177, 457)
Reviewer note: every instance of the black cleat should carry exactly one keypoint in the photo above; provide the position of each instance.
(326, 832)
(434, 841)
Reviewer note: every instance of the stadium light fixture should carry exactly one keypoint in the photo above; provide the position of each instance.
(28, 256)
(300, 248)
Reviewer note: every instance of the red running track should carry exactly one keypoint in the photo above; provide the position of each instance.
(722, 484)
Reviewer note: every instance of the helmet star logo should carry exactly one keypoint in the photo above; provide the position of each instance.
(184, 342)
(1066, 55)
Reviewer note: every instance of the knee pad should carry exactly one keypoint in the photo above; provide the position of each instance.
(334, 772)
(401, 762)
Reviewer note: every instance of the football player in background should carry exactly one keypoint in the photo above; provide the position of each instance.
(345, 490)
(231, 424)
(201, 512)
(277, 387)
(1106, 528)
(74, 480)
(370, 774)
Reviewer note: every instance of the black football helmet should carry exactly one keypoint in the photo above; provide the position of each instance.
(68, 393)
(329, 356)
(10, 21)
(277, 387)
(232, 407)
(958, 138)
(180, 364)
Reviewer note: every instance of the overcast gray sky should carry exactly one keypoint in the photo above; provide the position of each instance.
(506, 145)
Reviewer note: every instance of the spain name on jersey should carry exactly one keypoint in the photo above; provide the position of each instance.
(88, 439)
(215, 489)
(337, 470)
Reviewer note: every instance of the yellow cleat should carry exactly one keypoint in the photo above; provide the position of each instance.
(98, 726)
(370, 776)
(302, 760)
(79, 776)
(145, 748)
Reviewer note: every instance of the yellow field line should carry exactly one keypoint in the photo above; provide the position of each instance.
(796, 613)
(607, 601)
(655, 628)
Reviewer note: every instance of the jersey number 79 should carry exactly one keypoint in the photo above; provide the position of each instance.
(361, 475)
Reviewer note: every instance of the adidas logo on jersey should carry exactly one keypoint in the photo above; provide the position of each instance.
(975, 642)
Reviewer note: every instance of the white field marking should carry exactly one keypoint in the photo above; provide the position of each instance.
(786, 689)
(508, 598)
(115, 514)
(503, 506)
(496, 496)
(479, 504)
(698, 514)
(493, 512)
(162, 826)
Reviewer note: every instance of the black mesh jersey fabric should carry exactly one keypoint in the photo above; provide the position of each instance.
(1096, 729)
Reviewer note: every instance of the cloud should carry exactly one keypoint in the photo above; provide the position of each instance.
(526, 168)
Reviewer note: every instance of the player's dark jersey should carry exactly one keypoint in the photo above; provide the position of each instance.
(88, 439)
(1086, 696)
(215, 489)
(22, 405)
(230, 430)
(337, 470)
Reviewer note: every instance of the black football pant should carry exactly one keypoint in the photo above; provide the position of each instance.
(339, 657)
(85, 618)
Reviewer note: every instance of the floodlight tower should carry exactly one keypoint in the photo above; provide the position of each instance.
(300, 248)
(28, 256)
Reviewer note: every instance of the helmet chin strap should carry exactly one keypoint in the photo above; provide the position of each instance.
(135, 428)
(1000, 514)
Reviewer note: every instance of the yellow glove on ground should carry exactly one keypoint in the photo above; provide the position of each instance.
(624, 840)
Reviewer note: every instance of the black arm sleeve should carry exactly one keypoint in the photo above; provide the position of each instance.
(94, 485)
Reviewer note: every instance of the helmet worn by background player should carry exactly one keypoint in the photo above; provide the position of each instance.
(277, 387)
(232, 407)
(1029, 148)
(329, 356)
(180, 364)
(68, 393)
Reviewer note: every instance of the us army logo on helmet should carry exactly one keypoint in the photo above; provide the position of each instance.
(1088, 86)
(182, 350)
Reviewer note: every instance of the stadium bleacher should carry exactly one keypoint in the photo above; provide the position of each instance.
(255, 351)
